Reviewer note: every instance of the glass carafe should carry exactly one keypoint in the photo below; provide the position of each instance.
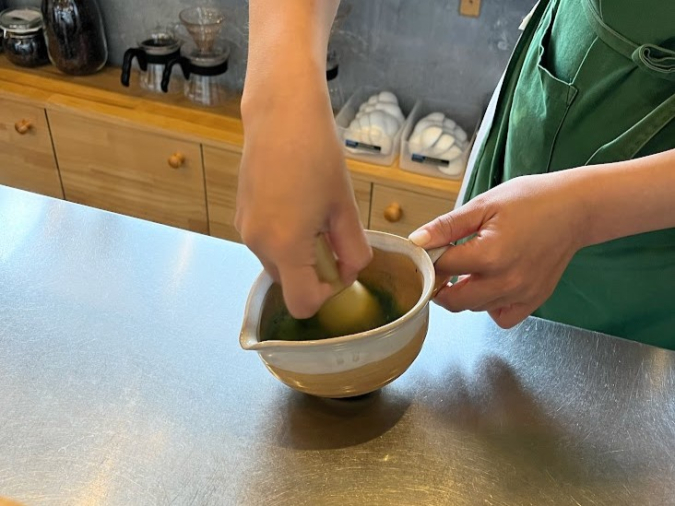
(205, 90)
(153, 54)
(203, 74)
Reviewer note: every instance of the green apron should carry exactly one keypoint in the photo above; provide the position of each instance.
(579, 91)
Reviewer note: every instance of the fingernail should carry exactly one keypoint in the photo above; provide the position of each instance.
(421, 237)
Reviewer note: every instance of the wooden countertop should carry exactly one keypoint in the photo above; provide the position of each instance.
(102, 94)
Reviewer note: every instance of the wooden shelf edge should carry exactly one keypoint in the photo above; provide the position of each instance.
(396, 177)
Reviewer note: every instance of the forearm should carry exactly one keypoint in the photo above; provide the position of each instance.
(287, 52)
(625, 198)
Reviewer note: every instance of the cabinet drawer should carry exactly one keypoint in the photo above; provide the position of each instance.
(400, 212)
(26, 146)
(222, 175)
(130, 171)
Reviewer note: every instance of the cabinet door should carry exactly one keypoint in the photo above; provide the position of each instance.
(130, 171)
(222, 176)
(363, 192)
(26, 146)
(400, 212)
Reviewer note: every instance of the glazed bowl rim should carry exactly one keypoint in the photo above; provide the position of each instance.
(248, 338)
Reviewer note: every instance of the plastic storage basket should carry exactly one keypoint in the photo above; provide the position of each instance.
(361, 151)
(465, 116)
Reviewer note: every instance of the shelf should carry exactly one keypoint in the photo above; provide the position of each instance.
(103, 93)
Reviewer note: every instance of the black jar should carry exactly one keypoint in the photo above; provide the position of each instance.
(24, 40)
(75, 35)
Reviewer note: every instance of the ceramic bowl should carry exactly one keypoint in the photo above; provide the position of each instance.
(355, 364)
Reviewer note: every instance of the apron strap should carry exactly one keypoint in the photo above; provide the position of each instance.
(654, 59)
(629, 144)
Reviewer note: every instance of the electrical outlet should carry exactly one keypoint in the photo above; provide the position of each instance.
(469, 8)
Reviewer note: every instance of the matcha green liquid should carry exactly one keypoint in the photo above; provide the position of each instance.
(283, 327)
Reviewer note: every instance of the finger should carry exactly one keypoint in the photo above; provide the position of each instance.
(471, 257)
(498, 303)
(512, 315)
(303, 293)
(272, 270)
(470, 293)
(349, 242)
(267, 263)
(450, 227)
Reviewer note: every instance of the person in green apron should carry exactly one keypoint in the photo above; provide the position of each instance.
(584, 114)
(590, 87)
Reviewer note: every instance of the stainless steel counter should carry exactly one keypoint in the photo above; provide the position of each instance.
(122, 382)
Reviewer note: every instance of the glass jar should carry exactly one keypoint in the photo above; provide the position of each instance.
(23, 37)
(75, 35)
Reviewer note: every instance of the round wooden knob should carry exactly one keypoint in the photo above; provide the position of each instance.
(393, 212)
(176, 160)
(23, 126)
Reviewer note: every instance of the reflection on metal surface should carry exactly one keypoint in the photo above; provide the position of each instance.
(25, 214)
(117, 391)
(177, 270)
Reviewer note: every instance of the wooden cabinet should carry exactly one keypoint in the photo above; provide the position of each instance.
(26, 147)
(400, 212)
(221, 167)
(160, 158)
(130, 171)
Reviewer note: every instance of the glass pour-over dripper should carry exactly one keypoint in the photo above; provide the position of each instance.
(204, 61)
(204, 25)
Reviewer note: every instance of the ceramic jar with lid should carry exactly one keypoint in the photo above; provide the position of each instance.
(24, 41)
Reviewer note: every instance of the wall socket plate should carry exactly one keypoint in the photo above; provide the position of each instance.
(469, 8)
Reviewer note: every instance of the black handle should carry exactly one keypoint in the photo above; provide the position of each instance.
(129, 56)
(166, 76)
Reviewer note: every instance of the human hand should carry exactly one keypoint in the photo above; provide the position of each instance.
(526, 232)
(294, 185)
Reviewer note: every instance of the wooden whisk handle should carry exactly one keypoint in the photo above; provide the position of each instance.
(326, 265)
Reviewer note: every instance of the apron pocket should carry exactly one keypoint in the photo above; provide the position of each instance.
(540, 103)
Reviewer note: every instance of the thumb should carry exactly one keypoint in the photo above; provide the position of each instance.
(450, 227)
